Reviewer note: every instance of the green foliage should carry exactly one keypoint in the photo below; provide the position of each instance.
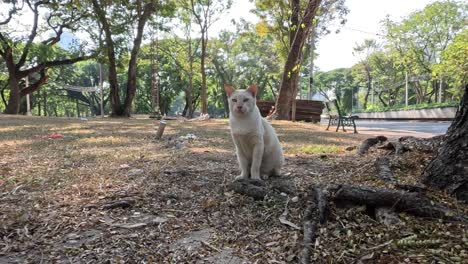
(429, 44)
(418, 41)
(338, 84)
(454, 65)
(245, 60)
(376, 108)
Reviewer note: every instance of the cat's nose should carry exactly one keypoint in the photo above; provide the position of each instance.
(239, 107)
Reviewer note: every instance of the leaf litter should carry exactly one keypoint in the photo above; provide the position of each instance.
(109, 192)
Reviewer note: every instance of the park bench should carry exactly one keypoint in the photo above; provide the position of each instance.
(306, 110)
(336, 117)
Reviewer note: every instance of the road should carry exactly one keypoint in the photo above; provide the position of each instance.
(400, 128)
(435, 128)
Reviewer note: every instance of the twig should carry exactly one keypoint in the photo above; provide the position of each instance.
(210, 246)
(380, 246)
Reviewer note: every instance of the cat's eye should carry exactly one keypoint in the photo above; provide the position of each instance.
(234, 100)
(246, 99)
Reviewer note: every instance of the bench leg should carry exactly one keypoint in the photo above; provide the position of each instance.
(354, 125)
(342, 124)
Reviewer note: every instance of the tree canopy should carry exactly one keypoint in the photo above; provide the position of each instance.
(427, 48)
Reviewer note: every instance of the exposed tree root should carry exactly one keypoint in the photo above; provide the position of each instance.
(385, 173)
(253, 188)
(411, 203)
(366, 144)
(315, 214)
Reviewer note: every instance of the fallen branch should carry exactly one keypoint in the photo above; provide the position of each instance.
(315, 214)
(119, 204)
(366, 144)
(283, 216)
(385, 173)
(411, 203)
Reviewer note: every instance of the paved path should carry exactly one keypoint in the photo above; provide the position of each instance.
(400, 128)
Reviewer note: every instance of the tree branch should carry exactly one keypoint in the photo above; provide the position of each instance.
(32, 35)
(10, 15)
(33, 87)
(49, 64)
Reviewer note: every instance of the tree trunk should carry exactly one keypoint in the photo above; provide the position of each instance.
(78, 114)
(369, 88)
(449, 169)
(14, 100)
(188, 95)
(132, 64)
(293, 61)
(381, 99)
(117, 108)
(45, 103)
(113, 82)
(203, 73)
(39, 103)
(311, 65)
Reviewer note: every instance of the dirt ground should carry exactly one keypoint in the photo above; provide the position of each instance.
(109, 192)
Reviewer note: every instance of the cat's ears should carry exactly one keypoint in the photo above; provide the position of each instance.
(229, 89)
(252, 89)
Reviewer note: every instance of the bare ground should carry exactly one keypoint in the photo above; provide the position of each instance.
(108, 192)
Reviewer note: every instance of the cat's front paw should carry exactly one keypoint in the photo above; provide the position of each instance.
(256, 177)
(241, 177)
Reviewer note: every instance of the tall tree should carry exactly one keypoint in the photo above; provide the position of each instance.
(421, 38)
(16, 49)
(110, 15)
(274, 13)
(453, 64)
(449, 169)
(328, 11)
(288, 89)
(364, 52)
(205, 13)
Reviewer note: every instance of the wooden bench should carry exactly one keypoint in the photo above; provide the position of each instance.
(306, 110)
(336, 117)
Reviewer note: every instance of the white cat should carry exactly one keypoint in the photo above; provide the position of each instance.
(257, 147)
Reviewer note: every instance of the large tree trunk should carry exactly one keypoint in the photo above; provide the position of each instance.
(288, 88)
(14, 101)
(132, 65)
(113, 82)
(449, 169)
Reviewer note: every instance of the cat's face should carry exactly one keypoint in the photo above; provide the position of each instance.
(241, 102)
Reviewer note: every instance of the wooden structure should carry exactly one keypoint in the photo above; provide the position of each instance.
(306, 110)
(336, 117)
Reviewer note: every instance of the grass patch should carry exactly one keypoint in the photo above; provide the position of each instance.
(318, 149)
